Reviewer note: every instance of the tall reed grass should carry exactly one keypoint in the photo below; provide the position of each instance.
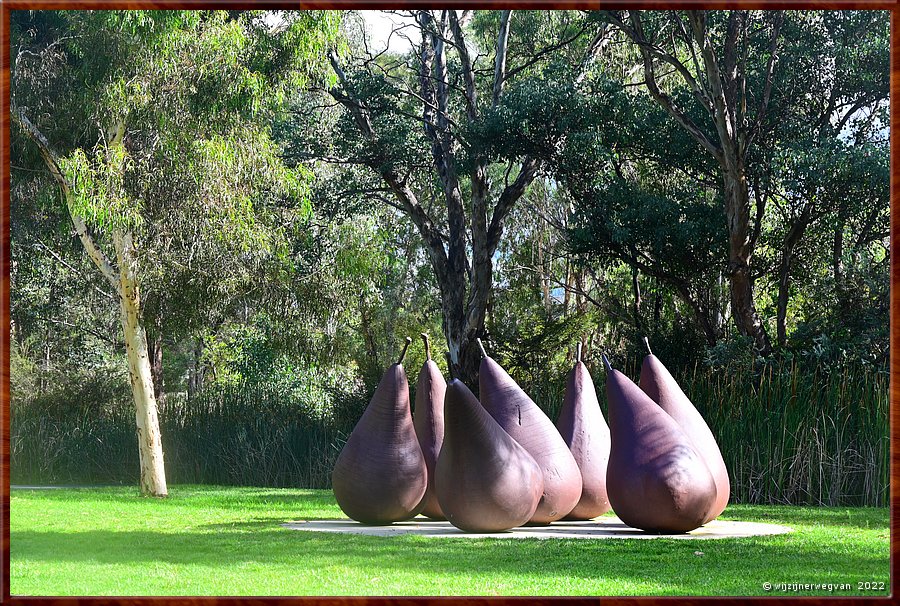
(788, 434)
(797, 435)
(235, 435)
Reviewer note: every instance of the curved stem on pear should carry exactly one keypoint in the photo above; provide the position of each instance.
(578, 352)
(647, 345)
(606, 363)
(481, 347)
(405, 347)
(427, 345)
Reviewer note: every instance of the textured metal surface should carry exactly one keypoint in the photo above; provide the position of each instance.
(656, 479)
(428, 420)
(380, 476)
(658, 383)
(485, 481)
(521, 418)
(584, 430)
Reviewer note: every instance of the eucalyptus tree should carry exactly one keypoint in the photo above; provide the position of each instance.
(410, 120)
(727, 60)
(752, 92)
(154, 128)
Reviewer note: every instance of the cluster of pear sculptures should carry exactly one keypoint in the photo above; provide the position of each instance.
(498, 463)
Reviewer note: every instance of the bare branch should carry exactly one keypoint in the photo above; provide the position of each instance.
(636, 33)
(470, 92)
(510, 195)
(51, 159)
(409, 203)
(500, 57)
(770, 70)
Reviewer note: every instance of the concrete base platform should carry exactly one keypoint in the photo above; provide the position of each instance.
(607, 527)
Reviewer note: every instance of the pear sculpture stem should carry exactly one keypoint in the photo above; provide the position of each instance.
(606, 363)
(578, 352)
(481, 347)
(647, 345)
(427, 345)
(405, 347)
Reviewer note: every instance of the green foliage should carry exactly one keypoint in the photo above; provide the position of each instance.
(98, 188)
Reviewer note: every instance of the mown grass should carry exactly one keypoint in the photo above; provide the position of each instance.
(228, 541)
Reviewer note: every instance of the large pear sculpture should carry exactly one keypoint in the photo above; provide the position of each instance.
(585, 431)
(380, 476)
(658, 383)
(485, 481)
(428, 419)
(656, 479)
(521, 418)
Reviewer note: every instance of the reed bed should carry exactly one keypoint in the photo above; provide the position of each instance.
(789, 434)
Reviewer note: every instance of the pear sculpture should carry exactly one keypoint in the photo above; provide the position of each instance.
(485, 481)
(428, 419)
(380, 476)
(521, 418)
(585, 431)
(656, 479)
(658, 383)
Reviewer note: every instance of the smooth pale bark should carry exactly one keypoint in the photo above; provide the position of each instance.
(124, 281)
(153, 476)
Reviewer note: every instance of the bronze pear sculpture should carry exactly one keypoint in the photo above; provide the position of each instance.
(585, 431)
(656, 479)
(658, 383)
(485, 481)
(428, 419)
(522, 419)
(380, 475)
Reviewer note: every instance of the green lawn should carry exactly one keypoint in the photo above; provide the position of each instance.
(228, 541)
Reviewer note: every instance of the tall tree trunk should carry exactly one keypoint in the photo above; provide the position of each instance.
(795, 233)
(636, 290)
(153, 477)
(721, 92)
(740, 248)
(837, 255)
(701, 313)
(545, 277)
(122, 279)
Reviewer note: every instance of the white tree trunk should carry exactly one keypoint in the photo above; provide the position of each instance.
(153, 475)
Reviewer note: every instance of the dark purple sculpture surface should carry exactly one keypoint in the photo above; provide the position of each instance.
(584, 429)
(658, 383)
(429, 423)
(485, 481)
(380, 476)
(522, 419)
(656, 479)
